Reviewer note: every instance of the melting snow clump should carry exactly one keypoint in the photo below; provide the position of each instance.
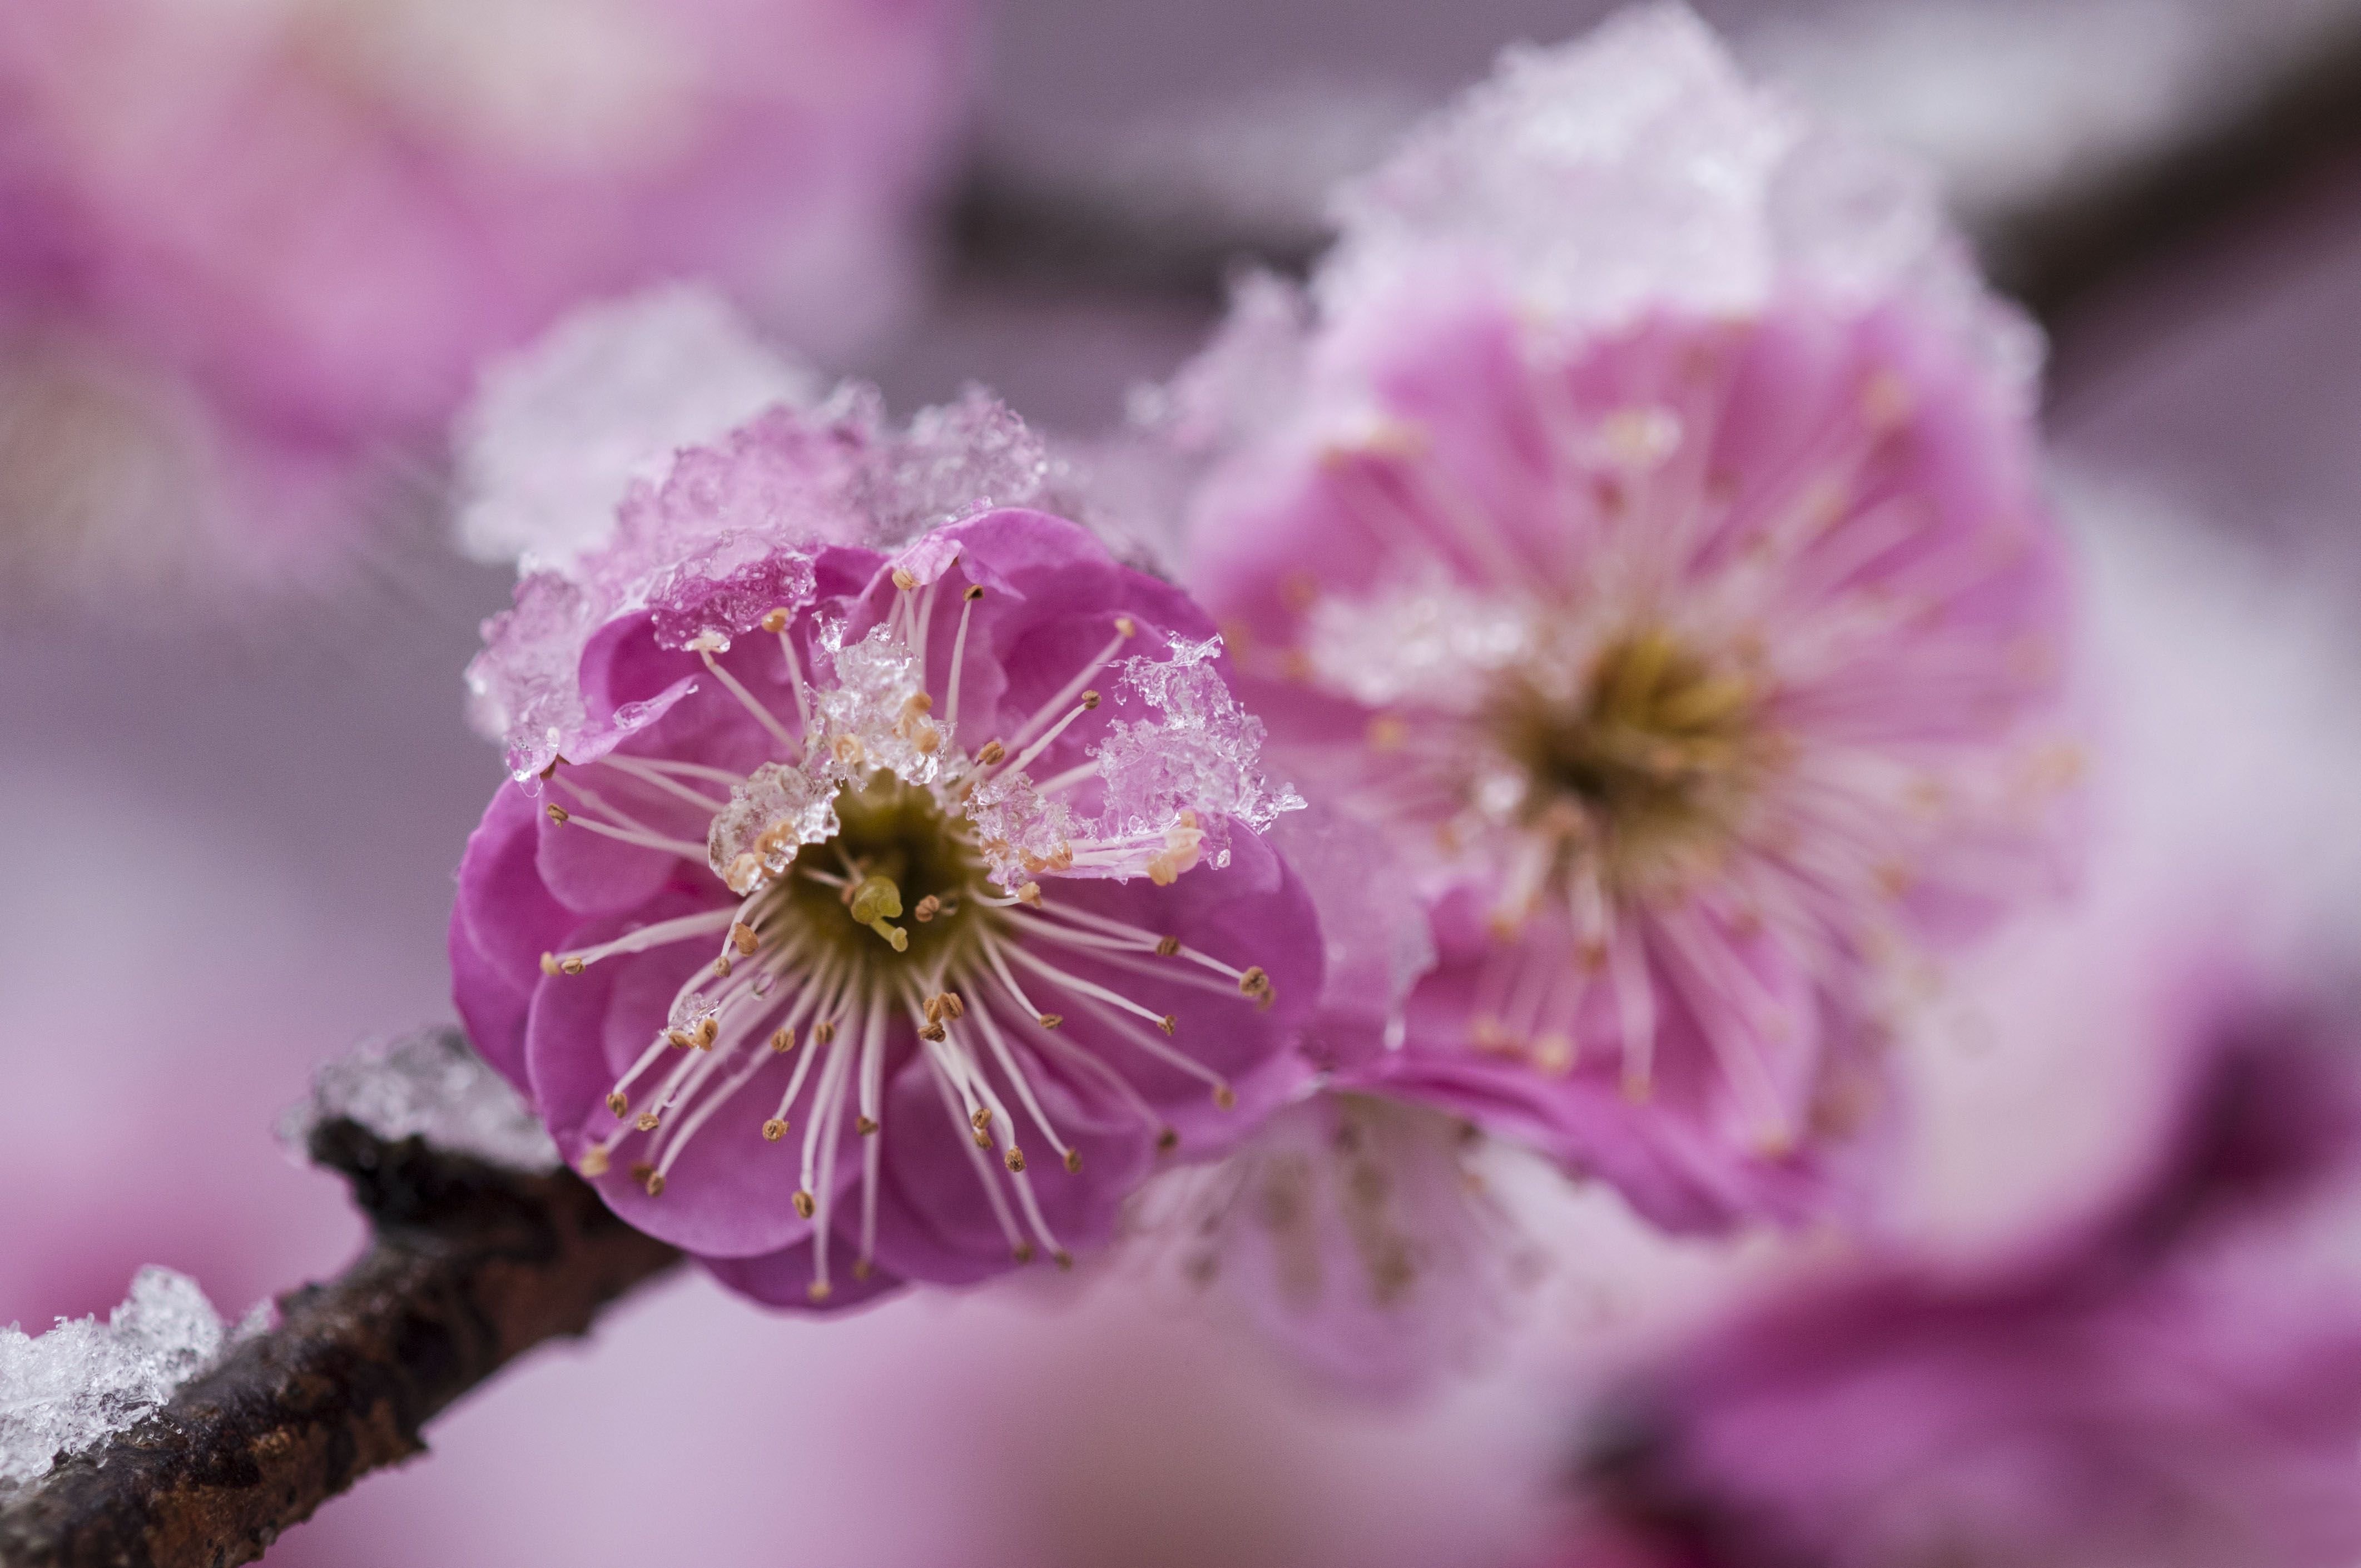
(70, 1389)
(431, 1084)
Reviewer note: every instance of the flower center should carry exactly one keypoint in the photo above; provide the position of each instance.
(897, 886)
(1643, 757)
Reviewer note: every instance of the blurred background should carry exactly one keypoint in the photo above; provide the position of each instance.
(230, 804)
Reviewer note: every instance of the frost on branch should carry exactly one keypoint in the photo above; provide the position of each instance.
(65, 1390)
(429, 1085)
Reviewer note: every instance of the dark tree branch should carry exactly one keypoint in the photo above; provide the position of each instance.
(470, 1265)
(2052, 245)
(2070, 240)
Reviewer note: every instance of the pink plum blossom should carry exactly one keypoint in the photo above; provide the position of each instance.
(1358, 1234)
(2171, 1379)
(891, 910)
(254, 254)
(1638, 523)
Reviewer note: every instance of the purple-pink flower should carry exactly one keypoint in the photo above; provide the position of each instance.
(2171, 1381)
(1358, 1234)
(252, 253)
(1697, 646)
(859, 918)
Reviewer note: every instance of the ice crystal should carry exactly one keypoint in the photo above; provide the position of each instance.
(777, 811)
(1439, 642)
(430, 1085)
(1637, 169)
(1017, 827)
(525, 686)
(956, 460)
(558, 435)
(68, 1389)
(874, 716)
(1200, 753)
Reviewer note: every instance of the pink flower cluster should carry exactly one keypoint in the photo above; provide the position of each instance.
(1632, 550)
(1635, 527)
(251, 252)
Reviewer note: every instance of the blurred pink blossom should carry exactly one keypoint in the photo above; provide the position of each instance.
(2172, 1378)
(1639, 521)
(253, 255)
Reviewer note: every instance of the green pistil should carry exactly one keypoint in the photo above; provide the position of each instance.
(875, 902)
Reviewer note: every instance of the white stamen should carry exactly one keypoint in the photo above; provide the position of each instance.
(958, 658)
(1072, 689)
(768, 720)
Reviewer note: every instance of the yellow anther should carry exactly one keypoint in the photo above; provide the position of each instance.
(569, 965)
(1013, 1158)
(619, 1103)
(991, 752)
(818, 1290)
(824, 1032)
(707, 1027)
(903, 580)
(1049, 1020)
(1090, 701)
(548, 963)
(1169, 1022)
(864, 1126)
(721, 966)
(594, 1161)
(1224, 1097)
(1029, 895)
(743, 938)
(680, 1042)
(656, 1184)
(782, 1040)
(927, 909)
(982, 1119)
(1168, 947)
(974, 593)
(1125, 626)
(803, 1202)
(557, 813)
(776, 1128)
(777, 620)
(1073, 1159)
(650, 1119)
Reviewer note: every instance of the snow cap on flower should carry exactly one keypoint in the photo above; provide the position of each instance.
(556, 432)
(255, 253)
(710, 538)
(1639, 171)
(1638, 523)
(2173, 1381)
(874, 916)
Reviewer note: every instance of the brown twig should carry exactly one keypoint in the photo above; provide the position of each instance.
(470, 1265)
(2069, 240)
